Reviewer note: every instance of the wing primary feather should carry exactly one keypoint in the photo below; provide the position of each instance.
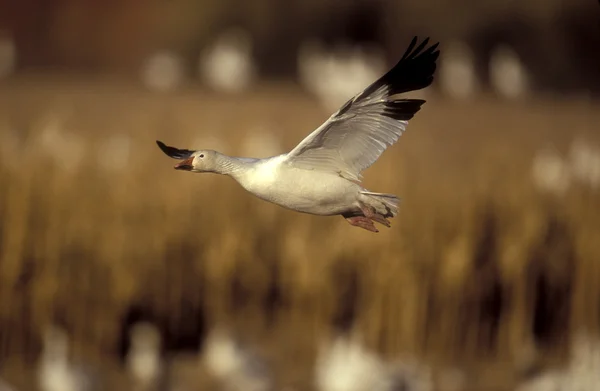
(354, 137)
(410, 48)
(413, 72)
(173, 152)
(402, 109)
(419, 48)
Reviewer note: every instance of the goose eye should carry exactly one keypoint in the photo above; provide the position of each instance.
(201, 155)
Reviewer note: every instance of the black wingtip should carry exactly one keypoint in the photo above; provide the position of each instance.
(416, 68)
(413, 72)
(163, 147)
(411, 52)
(402, 109)
(173, 152)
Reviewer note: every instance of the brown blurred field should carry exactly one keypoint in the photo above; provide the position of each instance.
(478, 266)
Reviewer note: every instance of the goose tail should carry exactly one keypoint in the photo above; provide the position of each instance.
(385, 204)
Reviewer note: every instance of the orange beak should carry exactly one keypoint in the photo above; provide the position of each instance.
(185, 164)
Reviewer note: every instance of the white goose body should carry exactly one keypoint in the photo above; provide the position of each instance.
(321, 174)
(306, 191)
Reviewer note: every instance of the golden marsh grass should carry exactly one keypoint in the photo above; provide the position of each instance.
(478, 264)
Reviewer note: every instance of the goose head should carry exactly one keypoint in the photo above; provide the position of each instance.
(200, 161)
(204, 160)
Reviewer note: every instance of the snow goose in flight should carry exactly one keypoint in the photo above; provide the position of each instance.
(321, 175)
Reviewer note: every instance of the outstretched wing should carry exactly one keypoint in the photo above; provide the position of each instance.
(173, 152)
(355, 136)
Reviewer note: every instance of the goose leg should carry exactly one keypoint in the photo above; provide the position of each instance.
(370, 214)
(380, 219)
(362, 222)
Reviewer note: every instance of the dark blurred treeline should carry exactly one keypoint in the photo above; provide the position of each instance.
(559, 40)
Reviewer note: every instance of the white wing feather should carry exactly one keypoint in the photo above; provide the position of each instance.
(355, 136)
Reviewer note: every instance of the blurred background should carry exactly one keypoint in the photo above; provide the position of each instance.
(119, 273)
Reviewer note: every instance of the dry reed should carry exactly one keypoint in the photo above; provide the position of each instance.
(478, 264)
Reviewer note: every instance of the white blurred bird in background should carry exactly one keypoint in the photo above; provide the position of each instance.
(508, 76)
(457, 74)
(8, 56)
(227, 65)
(344, 364)
(582, 372)
(233, 365)
(554, 174)
(584, 161)
(334, 75)
(143, 360)
(163, 71)
(65, 148)
(56, 372)
(550, 173)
